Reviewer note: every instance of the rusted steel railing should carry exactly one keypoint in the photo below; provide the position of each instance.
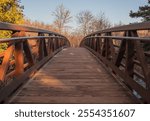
(122, 50)
(25, 54)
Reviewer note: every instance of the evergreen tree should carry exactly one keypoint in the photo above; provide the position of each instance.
(144, 12)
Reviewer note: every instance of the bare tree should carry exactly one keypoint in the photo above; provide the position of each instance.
(84, 18)
(100, 22)
(90, 23)
(62, 17)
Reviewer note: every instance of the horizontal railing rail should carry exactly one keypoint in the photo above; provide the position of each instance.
(24, 55)
(125, 50)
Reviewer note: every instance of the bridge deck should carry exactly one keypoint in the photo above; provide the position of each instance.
(72, 76)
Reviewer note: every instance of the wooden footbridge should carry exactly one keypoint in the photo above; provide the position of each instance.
(110, 66)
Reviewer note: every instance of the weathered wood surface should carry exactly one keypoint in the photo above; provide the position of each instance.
(72, 76)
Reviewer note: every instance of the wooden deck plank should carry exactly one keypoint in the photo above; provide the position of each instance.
(72, 76)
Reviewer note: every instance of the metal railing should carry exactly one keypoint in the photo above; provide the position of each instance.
(122, 50)
(25, 54)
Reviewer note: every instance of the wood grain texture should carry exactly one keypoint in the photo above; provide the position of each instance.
(72, 76)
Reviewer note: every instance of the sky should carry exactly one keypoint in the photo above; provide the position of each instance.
(115, 10)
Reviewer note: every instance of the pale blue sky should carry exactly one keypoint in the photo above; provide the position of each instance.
(115, 10)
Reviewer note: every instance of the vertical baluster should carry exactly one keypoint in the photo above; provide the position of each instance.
(43, 52)
(19, 57)
(45, 48)
(94, 44)
(129, 56)
(107, 53)
(54, 43)
(121, 52)
(49, 45)
(40, 47)
(98, 43)
(111, 48)
(103, 52)
(28, 53)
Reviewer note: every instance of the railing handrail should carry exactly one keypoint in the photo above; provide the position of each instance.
(24, 28)
(130, 27)
(120, 38)
(25, 38)
(15, 27)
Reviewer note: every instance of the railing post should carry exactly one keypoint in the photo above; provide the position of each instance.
(49, 45)
(28, 53)
(19, 60)
(19, 56)
(98, 44)
(94, 42)
(57, 42)
(129, 56)
(42, 47)
(54, 43)
(111, 48)
(103, 48)
(107, 47)
(121, 52)
(108, 50)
